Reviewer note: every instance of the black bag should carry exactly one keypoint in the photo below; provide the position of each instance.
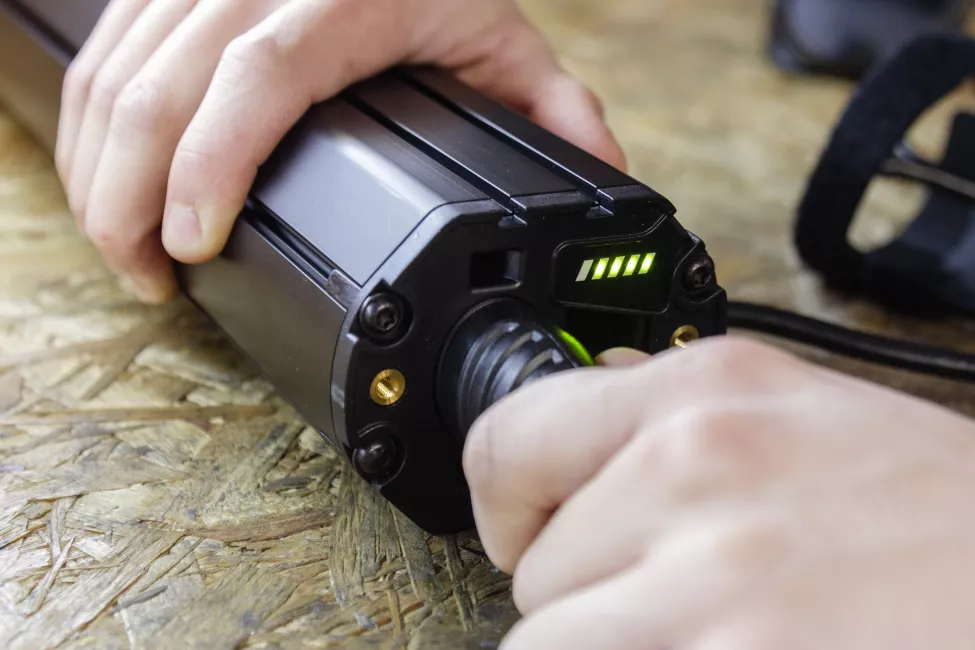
(847, 37)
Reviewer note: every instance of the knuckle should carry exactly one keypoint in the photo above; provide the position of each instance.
(104, 237)
(105, 89)
(743, 362)
(573, 86)
(77, 81)
(108, 238)
(594, 101)
(192, 163)
(733, 352)
(141, 107)
(737, 436)
(255, 50)
(701, 452)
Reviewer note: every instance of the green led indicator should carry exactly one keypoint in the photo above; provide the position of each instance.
(617, 265)
(600, 269)
(647, 263)
(631, 265)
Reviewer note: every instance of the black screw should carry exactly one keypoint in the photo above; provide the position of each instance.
(381, 316)
(375, 459)
(699, 273)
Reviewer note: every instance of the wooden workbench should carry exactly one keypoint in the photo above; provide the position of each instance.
(155, 493)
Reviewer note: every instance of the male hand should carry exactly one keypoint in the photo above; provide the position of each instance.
(727, 497)
(172, 105)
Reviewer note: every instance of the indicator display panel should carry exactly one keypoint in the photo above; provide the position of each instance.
(630, 275)
(625, 265)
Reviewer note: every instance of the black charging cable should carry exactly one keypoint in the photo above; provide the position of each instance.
(916, 357)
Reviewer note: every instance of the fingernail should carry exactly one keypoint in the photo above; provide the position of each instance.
(622, 357)
(182, 231)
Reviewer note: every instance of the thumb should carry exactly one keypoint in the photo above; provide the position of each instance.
(622, 357)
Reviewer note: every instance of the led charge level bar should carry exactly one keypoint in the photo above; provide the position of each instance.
(617, 265)
(600, 269)
(647, 263)
(631, 265)
(627, 265)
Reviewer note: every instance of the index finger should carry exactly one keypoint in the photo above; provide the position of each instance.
(303, 53)
(531, 451)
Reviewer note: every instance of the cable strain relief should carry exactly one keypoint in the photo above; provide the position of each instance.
(499, 347)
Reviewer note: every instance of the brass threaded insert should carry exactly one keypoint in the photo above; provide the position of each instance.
(387, 387)
(684, 335)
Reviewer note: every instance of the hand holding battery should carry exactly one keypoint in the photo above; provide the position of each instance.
(727, 496)
(170, 107)
(713, 499)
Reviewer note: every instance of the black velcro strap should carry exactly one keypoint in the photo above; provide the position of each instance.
(919, 270)
(928, 266)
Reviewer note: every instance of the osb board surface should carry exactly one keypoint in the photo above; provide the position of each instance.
(155, 493)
